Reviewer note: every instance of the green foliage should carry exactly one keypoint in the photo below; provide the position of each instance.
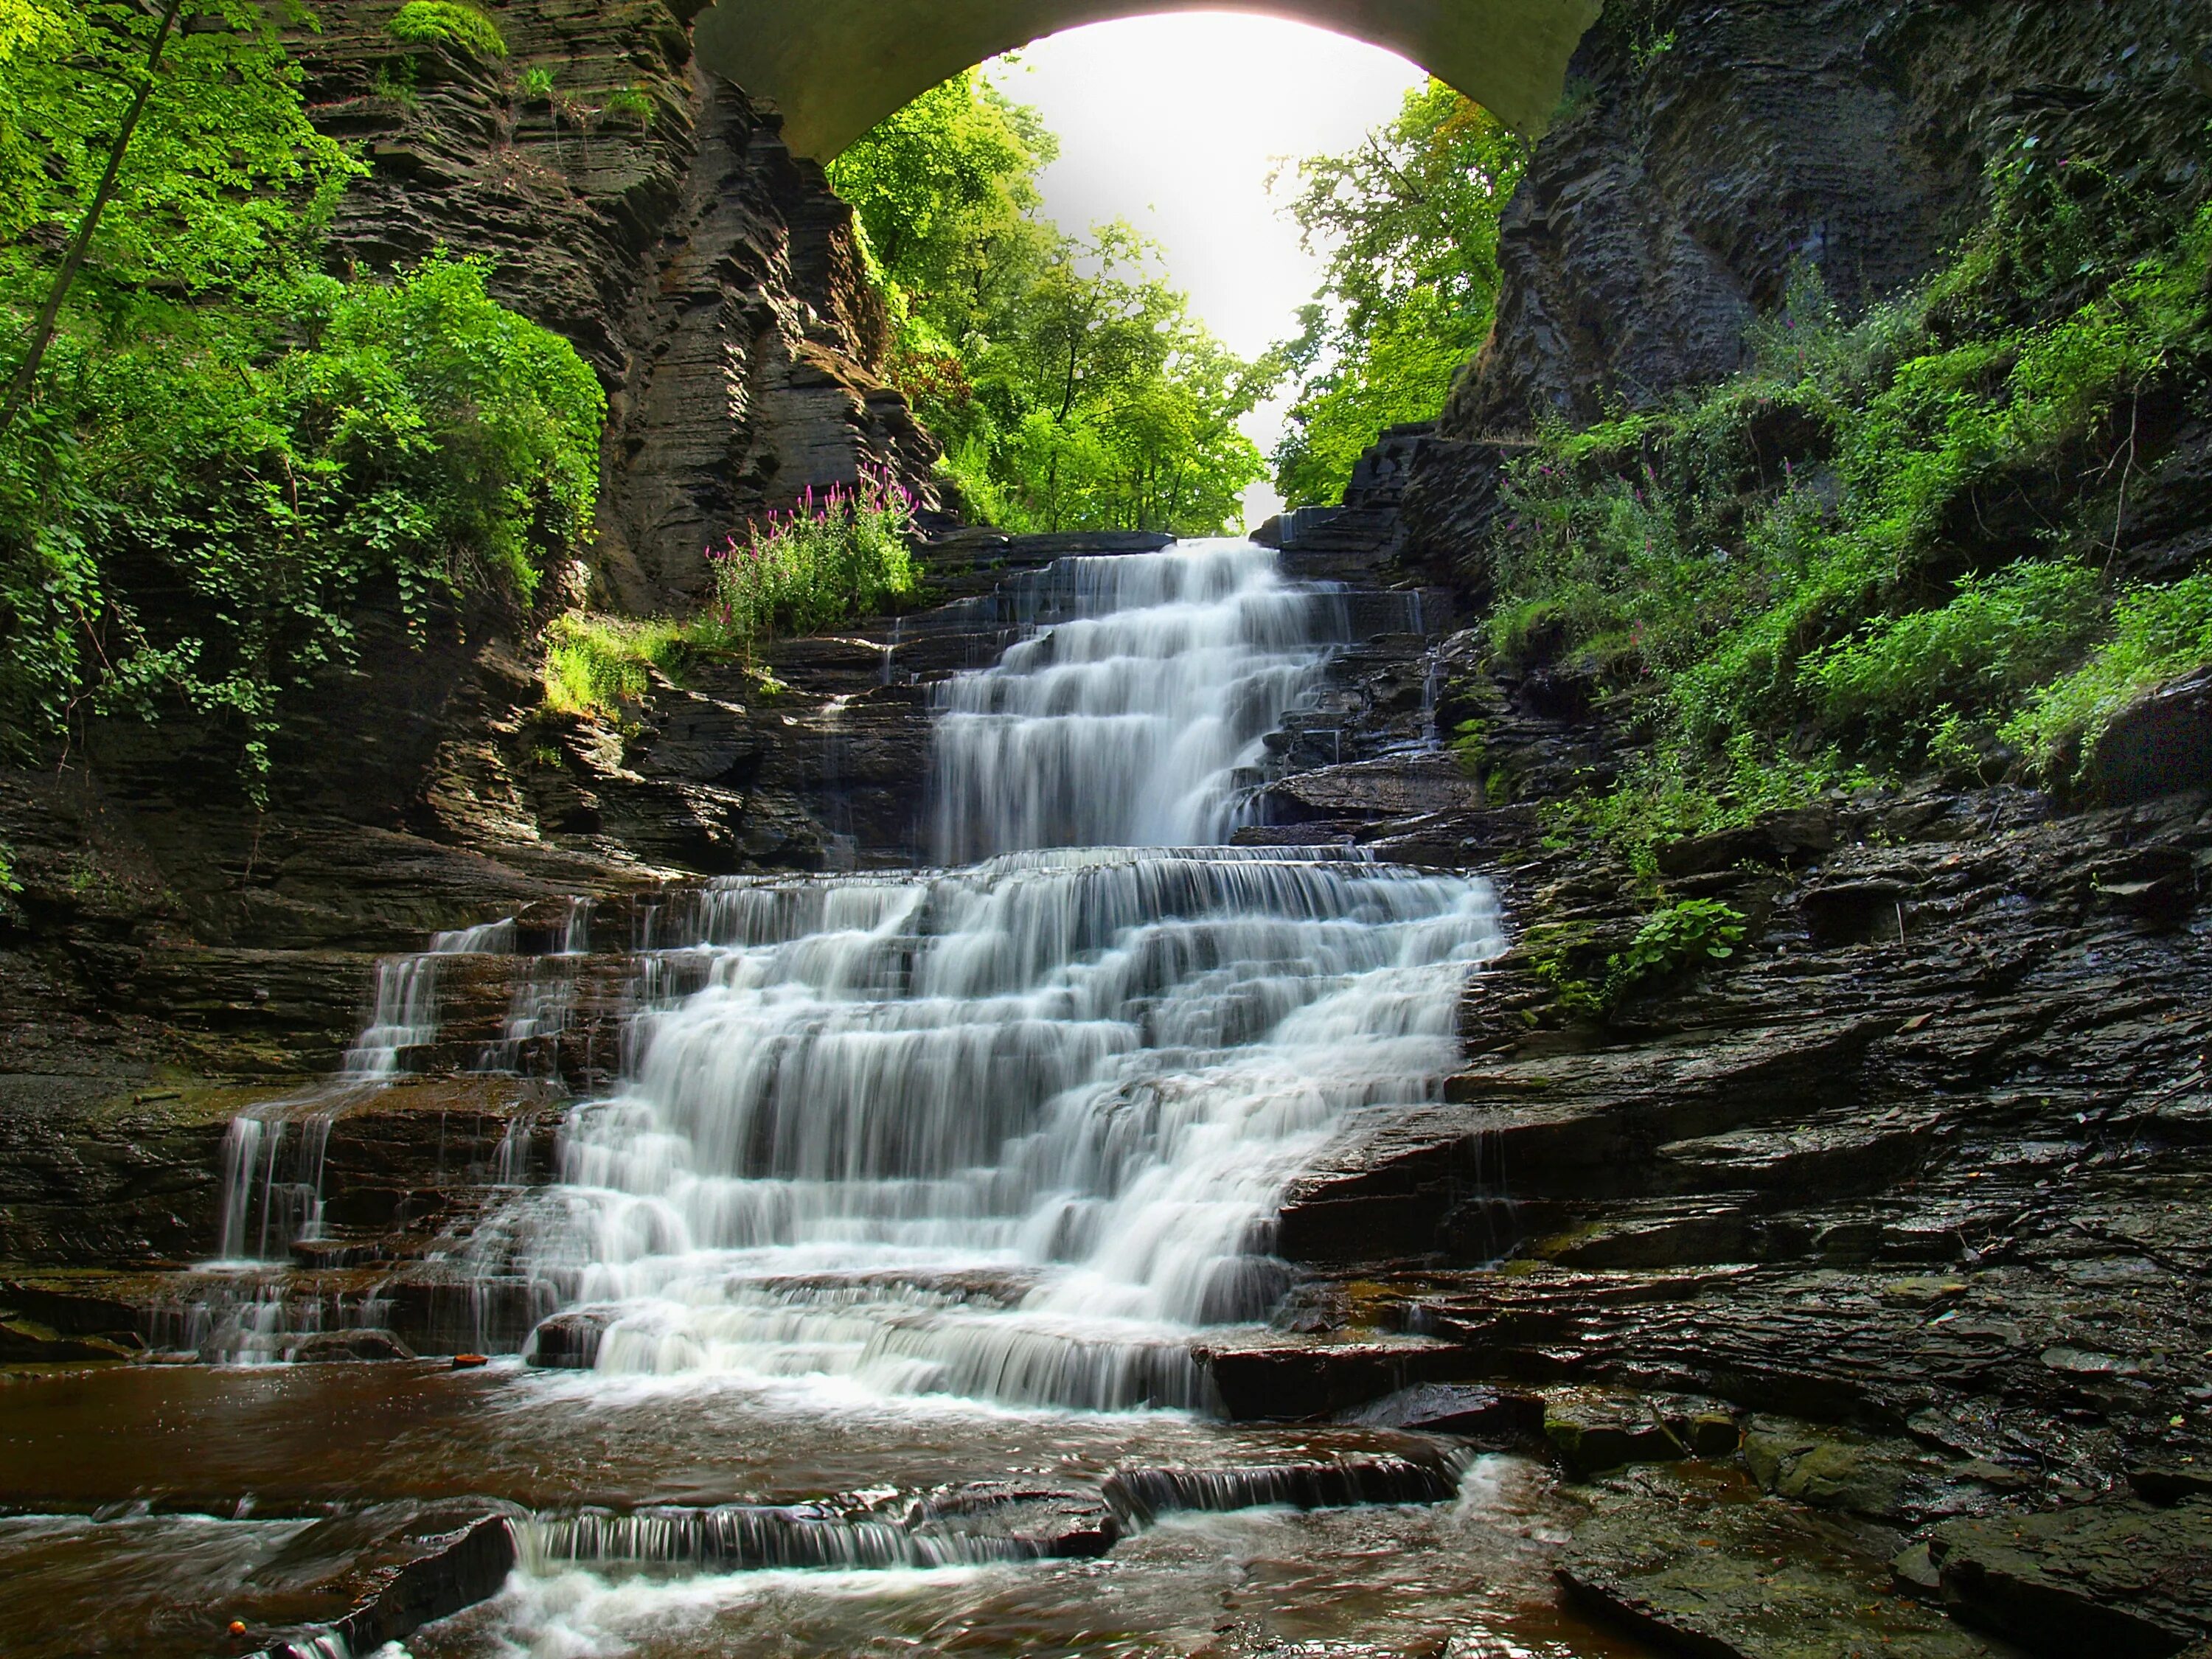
(834, 555)
(1070, 385)
(2000, 636)
(600, 667)
(1470, 746)
(193, 511)
(831, 556)
(468, 436)
(224, 180)
(1885, 543)
(630, 104)
(1687, 935)
(448, 23)
(229, 450)
(1411, 220)
(535, 85)
(2157, 633)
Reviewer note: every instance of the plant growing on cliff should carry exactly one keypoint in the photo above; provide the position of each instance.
(448, 23)
(1690, 935)
(1893, 540)
(2156, 635)
(194, 514)
(844, 551)
(600, 667)
(629, 104)
(1410, 219)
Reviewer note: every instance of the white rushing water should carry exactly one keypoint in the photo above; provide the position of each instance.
(1014, 1131)
(1133, 719)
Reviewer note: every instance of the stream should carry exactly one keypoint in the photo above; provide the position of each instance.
(915, 1204)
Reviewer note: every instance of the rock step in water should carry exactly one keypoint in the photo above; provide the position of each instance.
(956, 1526)
(1342, 1482)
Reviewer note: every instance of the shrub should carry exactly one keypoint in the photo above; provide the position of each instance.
(1884, 541)
(191, 516)
(831, 555)
(1998, 637)
(597, 666)
(2157, 633)
(468, 436)
(535, 86)
(448, 23)
(1683, 937)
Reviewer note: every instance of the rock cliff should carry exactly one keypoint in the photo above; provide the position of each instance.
(1899, 1217)
(651, 213)
(1705, 151)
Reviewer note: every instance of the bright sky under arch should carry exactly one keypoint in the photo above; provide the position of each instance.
(1174, 123)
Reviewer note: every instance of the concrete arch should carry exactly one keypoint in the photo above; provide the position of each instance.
(837, 67)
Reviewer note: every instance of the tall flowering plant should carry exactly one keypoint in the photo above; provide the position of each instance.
(845, 549)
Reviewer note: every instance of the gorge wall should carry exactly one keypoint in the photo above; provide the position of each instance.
(651, 213)
(1907, 1202)
(1705, 153)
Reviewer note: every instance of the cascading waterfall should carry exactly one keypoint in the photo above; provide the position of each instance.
(272, 1181)
(1131, 718)
(1015, 1131)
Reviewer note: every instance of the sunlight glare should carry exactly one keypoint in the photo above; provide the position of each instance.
(1174, 123)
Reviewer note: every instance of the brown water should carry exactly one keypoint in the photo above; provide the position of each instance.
(96, 1467)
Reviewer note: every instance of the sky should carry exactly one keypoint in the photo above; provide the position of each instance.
(1174, 123)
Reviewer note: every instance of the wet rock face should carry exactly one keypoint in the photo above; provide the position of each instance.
(2124, 1579)
(380, 1575)
(1699, 1563)
(1703, 151)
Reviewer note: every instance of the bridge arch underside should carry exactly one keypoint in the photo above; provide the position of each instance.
(835, 68)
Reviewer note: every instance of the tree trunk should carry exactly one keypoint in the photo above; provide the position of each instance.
(42, 331)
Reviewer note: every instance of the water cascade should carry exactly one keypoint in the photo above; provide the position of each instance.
(1013, 1130)
(272, 1178)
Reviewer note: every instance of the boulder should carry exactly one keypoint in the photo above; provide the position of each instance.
(350, 1347)
(1593, 1433)
(1779, 838)
(1701, 1564)
(2120, 1579)
(385, 1573)
(2159, 744)
(1462, 1409)
(568, 1341)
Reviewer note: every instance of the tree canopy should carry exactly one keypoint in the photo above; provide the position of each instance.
(223, 449)
(1070, 384)
(1409, 220)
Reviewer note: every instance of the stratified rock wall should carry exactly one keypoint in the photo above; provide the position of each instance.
(652, 215)
(1705, 151)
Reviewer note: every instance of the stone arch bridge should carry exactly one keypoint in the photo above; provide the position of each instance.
(837, 67)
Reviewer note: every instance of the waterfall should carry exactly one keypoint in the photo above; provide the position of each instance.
(272, 1181)
(1014, 1130)
(1128, 721)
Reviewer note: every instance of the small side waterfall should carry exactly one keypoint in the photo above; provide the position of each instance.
(272, 1179)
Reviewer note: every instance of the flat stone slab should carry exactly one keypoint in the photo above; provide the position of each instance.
(1698, 1562)
(2119, 1580)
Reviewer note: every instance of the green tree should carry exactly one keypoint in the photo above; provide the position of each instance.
(1068, 381)
(225, 451)
(1410, 223)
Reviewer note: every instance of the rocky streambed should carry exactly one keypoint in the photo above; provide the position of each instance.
(1847, 1298)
